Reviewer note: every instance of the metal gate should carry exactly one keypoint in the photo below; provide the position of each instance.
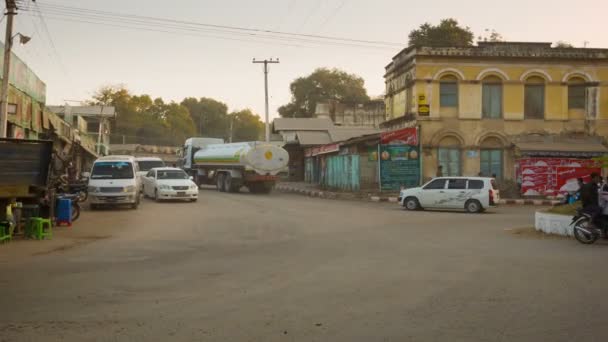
(342, 172)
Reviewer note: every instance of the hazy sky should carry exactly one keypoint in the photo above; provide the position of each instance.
(173, 66)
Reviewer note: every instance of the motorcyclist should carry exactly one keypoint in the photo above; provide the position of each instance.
(590, 199)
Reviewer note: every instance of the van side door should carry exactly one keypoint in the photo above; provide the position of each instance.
(432, 193)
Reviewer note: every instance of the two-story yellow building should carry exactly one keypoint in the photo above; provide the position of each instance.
(482, 108)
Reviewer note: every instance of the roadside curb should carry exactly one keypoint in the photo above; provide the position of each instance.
(390, 199)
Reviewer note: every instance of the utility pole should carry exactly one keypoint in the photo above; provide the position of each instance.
(231, 126)
(266, 62)
(11, 11)
(200, 125)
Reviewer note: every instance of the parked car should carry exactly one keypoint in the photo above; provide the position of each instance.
(146, 164)
(114, 181)
(169, 183)
(473, 194)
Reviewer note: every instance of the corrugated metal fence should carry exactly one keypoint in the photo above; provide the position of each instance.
(342, 172)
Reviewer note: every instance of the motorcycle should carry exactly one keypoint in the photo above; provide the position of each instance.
(586, 233)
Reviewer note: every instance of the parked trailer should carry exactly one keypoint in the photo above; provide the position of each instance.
(255, 165)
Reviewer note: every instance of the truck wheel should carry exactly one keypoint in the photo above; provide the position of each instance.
(254, 188)
(220, 182)
(265, 188)
(230, 184)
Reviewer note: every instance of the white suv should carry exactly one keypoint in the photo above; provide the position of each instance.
(473, 194)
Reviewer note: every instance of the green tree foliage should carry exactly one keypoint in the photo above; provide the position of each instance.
(447, 33)
(323, 84)
(246, 126)
(143, 120)
(209, 116)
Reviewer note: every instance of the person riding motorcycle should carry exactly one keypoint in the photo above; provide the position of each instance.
(590, 199)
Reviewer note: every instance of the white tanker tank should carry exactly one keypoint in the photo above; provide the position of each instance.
(231, 166)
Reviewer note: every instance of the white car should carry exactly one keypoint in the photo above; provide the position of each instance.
(473, 194)
(166, 183)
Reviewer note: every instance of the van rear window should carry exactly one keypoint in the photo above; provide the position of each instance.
(475, 184)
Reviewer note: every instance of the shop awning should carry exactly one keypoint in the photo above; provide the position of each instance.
(563, 149)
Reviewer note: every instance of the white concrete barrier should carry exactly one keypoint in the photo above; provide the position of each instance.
(553, 223)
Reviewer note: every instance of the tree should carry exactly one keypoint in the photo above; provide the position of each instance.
(563, 45)
(323, 84)
(210, 117)
(493, 36)
(246, 126)
(447, 33)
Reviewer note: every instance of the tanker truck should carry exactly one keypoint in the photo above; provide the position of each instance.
(255, 165)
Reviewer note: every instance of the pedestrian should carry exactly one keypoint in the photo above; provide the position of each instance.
(590, 198)
(440, 171)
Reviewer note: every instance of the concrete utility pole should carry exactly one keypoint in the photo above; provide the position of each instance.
(266, 62)
(11, 11)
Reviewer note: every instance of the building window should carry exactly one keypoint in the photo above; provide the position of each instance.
(534, 98)
(93, 127)
(491, 163)
(449, 159)
(12, 108)
(448, 91)
(492, 98)
(576, 93)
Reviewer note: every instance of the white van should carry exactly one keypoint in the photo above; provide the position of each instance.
(146, 164)
(114, 181)
(473, 194)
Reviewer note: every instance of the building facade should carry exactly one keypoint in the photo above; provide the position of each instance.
(483, 109)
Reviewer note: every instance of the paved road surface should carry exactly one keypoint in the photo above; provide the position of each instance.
(287, 268)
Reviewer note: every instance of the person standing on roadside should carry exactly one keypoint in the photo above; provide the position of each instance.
(439, 171)
(590, 198)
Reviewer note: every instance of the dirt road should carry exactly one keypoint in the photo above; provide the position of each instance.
(239, 267)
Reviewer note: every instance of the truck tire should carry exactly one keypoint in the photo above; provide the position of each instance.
(230, 184)
(266, 188)
(220, 182)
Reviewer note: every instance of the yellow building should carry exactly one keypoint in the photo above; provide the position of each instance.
(482, 108)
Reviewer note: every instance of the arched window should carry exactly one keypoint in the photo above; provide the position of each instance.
(491, 158)
(534, 98)
(576, 93)
(449, 156)
(491, 98)
(448, 91)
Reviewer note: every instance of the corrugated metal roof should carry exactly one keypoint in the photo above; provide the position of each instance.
(297, 124)
(345, 133)
(313, 138)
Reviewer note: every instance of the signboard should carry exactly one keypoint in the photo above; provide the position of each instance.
(423, 106)
(546, 176)
(399, 158)
(405, 136)
(315, 151)
(399, 166)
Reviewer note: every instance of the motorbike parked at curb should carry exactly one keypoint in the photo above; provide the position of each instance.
(585, 232)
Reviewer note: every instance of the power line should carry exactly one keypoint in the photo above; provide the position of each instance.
(138, 25)
(50, 39)
(90, 12)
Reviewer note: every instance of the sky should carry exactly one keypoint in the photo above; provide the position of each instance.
(75, 57)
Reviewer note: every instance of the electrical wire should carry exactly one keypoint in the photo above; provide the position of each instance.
(68, 10)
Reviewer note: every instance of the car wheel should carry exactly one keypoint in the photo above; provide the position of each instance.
(411, 203)
(473, 206)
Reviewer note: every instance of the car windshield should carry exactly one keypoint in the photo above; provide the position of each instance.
(171, 174)
(147, 165)
(112, 170)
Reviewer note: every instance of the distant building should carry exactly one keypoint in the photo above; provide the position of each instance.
(92, 120)
(490, 108)
(299, 134)
(368, 114)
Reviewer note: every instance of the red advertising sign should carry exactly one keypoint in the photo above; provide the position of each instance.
(405, 136)
(547, 176)
(315, 151)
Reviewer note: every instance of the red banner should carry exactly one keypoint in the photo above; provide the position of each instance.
(406, 136)
(546, 176)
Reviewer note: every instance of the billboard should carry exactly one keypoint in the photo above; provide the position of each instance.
(399, 159)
